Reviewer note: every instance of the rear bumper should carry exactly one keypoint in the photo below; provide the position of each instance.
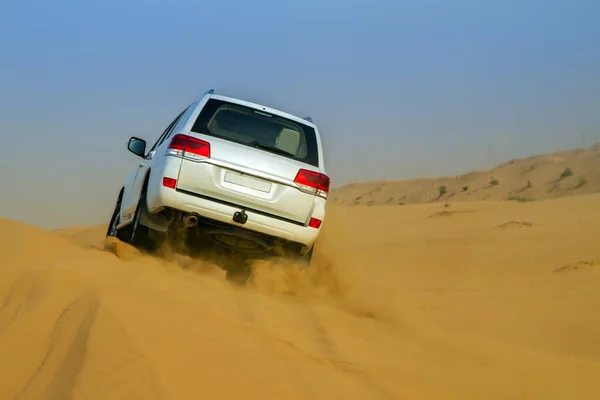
(223, 212)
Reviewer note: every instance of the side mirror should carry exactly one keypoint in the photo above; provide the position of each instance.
(137, 146)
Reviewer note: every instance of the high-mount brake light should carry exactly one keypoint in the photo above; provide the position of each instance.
(188, 146)
(313, 181)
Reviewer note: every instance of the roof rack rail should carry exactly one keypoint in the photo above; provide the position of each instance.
(309, 119)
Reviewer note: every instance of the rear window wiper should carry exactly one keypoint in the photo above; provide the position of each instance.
(270, 148)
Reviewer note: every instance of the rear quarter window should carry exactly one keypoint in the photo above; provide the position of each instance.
(259, 129)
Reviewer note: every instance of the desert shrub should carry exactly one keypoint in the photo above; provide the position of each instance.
(566, 173)
(528, 184)
(465, 188)
(494, 182)
(582, 181)
(442, 189)
(522, 199)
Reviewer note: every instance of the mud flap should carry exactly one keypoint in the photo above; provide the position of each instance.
(157, 222)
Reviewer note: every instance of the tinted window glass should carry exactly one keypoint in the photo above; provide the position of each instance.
(264, 131)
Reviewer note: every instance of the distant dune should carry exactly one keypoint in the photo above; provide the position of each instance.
(534, 178)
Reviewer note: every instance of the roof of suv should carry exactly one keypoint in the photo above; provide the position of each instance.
(263, 108)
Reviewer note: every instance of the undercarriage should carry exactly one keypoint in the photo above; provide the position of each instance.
(231, 247)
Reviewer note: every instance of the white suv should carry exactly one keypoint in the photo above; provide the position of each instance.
(231, 173)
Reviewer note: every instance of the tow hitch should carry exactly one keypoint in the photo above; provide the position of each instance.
(240, 217)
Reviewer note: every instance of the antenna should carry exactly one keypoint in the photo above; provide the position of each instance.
(309, 119)
(211, 91)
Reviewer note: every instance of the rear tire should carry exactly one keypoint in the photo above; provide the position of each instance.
(238, 270)
(303, 260)
(238, 276)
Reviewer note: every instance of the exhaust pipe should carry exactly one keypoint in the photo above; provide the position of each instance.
(190, 221)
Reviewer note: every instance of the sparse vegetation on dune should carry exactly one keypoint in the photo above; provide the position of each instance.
(521, 199)
(582, 181)
(442, 190)
(566, 173)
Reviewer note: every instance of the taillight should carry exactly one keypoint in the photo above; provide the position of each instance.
(314, 223)
(188, 146)
(313, 181)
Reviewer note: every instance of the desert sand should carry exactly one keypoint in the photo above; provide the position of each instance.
(537, 177)
(476, 300)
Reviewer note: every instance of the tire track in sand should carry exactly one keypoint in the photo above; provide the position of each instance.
(266, 342)
(56, 375)
(18, 297)
(328, 356)
(337, 361)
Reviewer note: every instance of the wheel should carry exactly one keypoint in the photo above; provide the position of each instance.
(238, 270)
(115, 220)
(306, 258)
(302, 260)
(112, 230)
(135, 233)
(239, 276)
(197, 247)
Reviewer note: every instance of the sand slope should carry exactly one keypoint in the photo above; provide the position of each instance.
(533, 178)
(481, 300)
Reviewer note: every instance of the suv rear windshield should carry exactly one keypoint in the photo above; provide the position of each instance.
(255, 128)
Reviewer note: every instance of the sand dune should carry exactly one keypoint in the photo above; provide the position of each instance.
(534, 178)
(480, 300)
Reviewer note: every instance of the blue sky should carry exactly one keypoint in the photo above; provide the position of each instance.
(400, 89)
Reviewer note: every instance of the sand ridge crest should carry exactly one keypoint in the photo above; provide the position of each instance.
(538, 177)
